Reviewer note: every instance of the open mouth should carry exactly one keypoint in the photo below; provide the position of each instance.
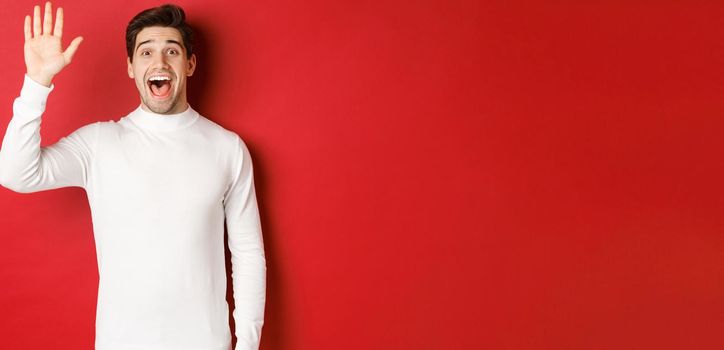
(160, 86)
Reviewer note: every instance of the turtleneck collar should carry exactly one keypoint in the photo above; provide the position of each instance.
(163, 122)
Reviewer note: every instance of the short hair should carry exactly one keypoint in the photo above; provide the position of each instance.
(167, 15)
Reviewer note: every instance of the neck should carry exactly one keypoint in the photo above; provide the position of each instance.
(148, 119)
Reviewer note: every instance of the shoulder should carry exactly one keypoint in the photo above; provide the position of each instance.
(88, 130)
(109, 124)
(100, 129)
(229, 143)
(226, 138)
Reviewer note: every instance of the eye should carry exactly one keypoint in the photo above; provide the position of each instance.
(172, 52)
(145, 53)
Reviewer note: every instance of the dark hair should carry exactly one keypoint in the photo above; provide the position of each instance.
(167, 15)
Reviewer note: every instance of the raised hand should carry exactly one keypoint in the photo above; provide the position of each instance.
(44, 56)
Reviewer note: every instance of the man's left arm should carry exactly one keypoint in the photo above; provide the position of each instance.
(248, 262)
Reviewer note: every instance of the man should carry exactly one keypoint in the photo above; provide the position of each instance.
(160, 182)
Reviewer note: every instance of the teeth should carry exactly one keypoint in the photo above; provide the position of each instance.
(155, 78)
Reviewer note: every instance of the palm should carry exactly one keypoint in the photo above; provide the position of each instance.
(44, 55)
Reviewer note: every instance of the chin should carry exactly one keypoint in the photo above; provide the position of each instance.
(165, 107)
(160, 110)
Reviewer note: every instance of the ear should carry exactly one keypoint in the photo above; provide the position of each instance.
(191, 65)
(130, 68)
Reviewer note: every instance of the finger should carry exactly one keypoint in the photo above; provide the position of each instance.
(58, 31)
(72, 48)
(28, 33)
(36, 20)
(48, 18)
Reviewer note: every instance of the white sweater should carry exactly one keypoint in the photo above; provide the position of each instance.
(159, 189)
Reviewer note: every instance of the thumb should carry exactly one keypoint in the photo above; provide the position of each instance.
(72, 48)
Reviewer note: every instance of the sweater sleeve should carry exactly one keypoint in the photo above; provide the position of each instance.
(25, 166)
(246, 244)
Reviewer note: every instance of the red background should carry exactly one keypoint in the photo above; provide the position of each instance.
(431, 174)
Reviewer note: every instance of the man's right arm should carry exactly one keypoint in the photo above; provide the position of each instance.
(24, 165)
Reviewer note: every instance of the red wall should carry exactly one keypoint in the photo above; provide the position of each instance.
(431, 174)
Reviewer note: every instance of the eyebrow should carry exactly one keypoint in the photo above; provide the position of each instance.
(167, 41)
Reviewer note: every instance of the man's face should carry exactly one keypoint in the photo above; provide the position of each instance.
(160, 69)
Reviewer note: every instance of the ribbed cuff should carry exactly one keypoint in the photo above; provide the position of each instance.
(34, 93)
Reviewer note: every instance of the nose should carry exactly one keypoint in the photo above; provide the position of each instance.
(159, 61)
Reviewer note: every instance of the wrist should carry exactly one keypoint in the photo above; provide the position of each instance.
(42, 79)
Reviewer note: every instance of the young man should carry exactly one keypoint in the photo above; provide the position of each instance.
(160, 183)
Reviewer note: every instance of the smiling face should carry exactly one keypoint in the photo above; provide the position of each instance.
(160, 69)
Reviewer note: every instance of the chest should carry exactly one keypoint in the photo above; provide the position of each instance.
(165, 172)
